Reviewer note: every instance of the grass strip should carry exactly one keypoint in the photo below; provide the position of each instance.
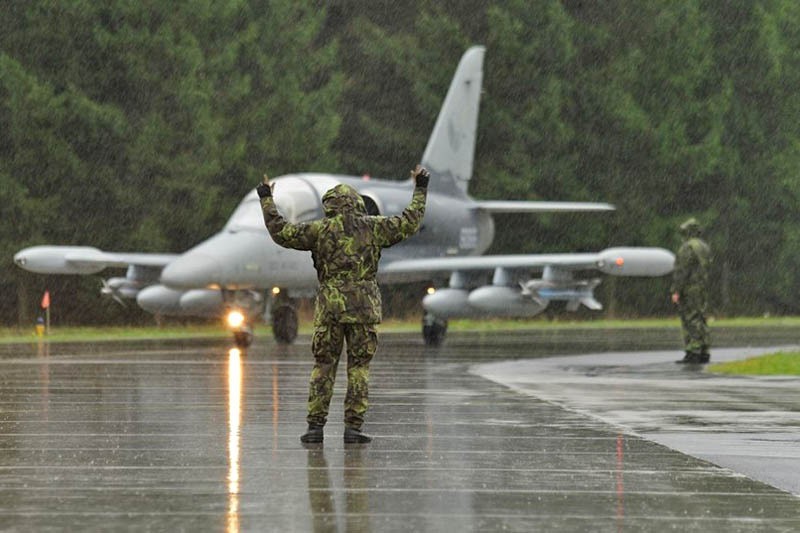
(100, 333)
(776, 364)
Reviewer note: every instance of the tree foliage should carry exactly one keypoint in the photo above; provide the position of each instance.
(137, 126)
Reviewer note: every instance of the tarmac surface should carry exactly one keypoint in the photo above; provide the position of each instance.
(517, 431)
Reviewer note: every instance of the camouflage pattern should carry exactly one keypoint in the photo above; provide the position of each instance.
(690, 281)
(326, 345)
(346, 248)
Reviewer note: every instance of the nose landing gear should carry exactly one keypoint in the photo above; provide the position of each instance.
(284, 323)
(433, 329)
(243, 338)
(242, 330)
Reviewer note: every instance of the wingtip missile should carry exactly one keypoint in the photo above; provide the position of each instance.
(60, 259)
(636, 261)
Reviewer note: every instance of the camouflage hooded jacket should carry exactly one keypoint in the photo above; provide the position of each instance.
(346, 247)
(692, 263)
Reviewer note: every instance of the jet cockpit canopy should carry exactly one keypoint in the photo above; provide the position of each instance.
(298, 197)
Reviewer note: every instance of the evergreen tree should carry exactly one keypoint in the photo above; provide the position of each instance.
(138, 126)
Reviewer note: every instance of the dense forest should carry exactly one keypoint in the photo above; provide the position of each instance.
(138, 126)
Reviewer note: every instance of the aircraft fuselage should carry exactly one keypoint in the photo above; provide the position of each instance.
(244, 256)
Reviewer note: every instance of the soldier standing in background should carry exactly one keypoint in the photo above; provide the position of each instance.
(346, 247)
(690, 292)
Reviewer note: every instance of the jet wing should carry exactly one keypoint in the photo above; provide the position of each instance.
(510, 206)
(123, 259)
(490, 262)
(84, 259)
(629, 261)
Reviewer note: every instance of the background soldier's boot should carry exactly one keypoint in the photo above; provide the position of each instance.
(313, 435)
(353, 435)
(690, 358)
(705, 357)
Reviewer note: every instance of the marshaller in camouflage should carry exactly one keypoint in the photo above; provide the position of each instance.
(345, 246)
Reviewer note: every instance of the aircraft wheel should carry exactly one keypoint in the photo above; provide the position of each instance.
(433, 330)
(243, 338)
(284, 324)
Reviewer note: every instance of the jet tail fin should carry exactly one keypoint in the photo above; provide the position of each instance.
(450, 152)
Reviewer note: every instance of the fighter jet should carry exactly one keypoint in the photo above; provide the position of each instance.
(240, 272)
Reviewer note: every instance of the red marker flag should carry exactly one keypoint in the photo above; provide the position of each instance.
(46, 300)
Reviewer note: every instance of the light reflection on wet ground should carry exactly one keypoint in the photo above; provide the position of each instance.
(191, 435)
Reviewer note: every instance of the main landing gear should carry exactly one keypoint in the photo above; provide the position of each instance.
(284, 317)
(433, 329)
(284, 323)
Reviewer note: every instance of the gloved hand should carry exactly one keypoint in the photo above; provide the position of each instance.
(421, 176)
(264, 189)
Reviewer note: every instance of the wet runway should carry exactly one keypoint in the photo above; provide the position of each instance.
(195, 436)
(750, 424)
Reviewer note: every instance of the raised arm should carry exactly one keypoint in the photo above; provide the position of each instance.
(391, 230)
(286, 234)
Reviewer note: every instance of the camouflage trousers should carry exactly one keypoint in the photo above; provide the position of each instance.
(696, 334)
(326, 345)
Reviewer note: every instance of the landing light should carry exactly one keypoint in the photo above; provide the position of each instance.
(431, 290)
(235, 319)
(276, 291)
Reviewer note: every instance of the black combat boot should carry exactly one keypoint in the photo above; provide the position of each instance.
(705, 357)
(353, 435)
(690, 358)
(313, 435)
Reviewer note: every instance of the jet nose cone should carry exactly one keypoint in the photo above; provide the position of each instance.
(192, 271)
